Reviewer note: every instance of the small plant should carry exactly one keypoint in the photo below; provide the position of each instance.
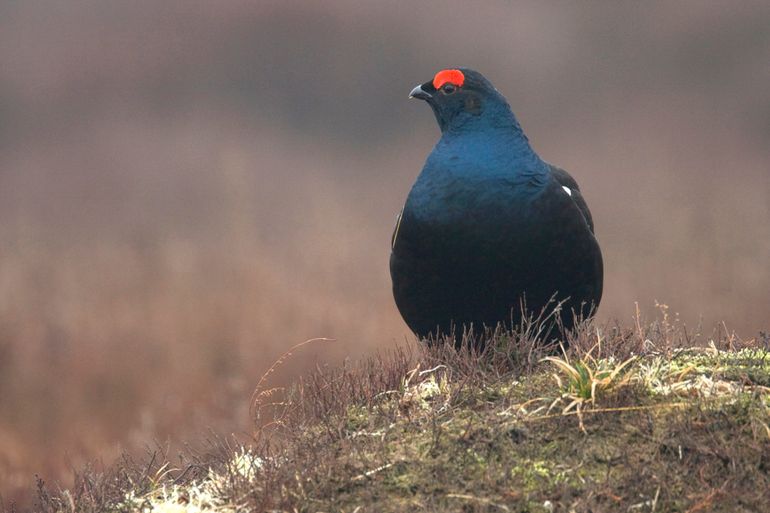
(586, 379)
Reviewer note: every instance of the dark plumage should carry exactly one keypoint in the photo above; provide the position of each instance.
(488, 222)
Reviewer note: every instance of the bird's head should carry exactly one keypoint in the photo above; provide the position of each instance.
(460, 95)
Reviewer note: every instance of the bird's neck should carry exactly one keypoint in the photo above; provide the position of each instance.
(498, 137)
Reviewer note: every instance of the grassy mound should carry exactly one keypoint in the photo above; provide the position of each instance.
(645, 419)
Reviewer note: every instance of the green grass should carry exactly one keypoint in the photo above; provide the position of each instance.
(624, 420)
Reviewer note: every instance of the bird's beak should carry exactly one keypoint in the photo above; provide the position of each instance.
(420, 93)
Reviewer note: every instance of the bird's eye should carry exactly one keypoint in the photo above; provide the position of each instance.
(448, 88)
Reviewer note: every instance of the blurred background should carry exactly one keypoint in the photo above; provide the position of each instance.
(188, 189)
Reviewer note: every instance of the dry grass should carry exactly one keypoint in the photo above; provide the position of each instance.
(446, 429)
(94, 363)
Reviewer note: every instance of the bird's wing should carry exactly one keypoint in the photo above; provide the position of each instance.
(570, 186)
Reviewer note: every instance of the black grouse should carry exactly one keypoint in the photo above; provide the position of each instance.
(489, 227)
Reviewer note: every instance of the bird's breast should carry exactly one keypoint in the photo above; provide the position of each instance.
(453, 202)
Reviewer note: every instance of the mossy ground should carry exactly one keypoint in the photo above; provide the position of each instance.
(639, 427)
(484, 450)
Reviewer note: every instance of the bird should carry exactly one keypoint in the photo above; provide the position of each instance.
(490, 233)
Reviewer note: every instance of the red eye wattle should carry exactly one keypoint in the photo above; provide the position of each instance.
(452, 76)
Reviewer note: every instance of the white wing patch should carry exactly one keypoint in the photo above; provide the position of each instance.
(567, 189)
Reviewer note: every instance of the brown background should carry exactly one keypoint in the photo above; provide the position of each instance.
(187, 189)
